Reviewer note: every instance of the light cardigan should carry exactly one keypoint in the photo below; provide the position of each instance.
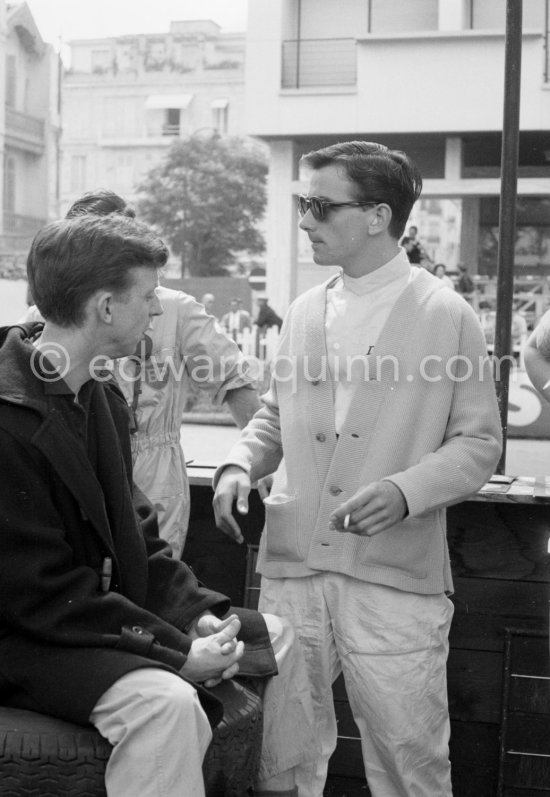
(422, 420)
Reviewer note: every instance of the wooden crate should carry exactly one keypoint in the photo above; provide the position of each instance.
(501, 567)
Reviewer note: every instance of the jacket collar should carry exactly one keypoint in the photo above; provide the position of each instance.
(18, 381)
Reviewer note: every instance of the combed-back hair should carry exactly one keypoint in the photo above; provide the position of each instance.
(100, 202)
(378, 173)
(72, 259)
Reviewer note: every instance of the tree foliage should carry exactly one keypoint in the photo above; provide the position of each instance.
(206, 198)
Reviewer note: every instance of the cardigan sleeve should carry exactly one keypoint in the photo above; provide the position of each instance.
(259, 450)
(472, 442)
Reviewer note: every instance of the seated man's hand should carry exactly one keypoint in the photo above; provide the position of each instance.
(233, 485)
(207, 623)
(214, 657)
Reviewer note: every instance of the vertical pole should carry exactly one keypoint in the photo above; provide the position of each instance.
(507, 213)
(298, 42)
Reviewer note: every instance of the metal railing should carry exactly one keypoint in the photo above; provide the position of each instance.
(170, 130)
(318, 62)
(16, 224)
(21, 124)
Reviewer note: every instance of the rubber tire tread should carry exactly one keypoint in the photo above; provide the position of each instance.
(42, 756)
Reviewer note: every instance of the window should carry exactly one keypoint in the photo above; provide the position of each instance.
(403, 16)
(101, 61)
(491, 14)
(11, 82)
(9, 184)
(78, 173)
(220, 115)
(318, 20)
(171, 122)
(532, 249)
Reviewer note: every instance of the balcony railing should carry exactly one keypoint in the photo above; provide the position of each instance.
(319, 62)
(20, 226)
(21, 124)
(170, 130)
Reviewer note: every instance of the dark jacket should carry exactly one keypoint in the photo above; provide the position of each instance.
(267, 317)
(63, 639)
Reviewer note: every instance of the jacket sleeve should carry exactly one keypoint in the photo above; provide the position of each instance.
(174, 594)
(212, 359)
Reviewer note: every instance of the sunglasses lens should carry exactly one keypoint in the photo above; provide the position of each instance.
(317, 209)
(312, 203)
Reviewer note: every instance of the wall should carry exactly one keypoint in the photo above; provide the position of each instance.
(437, 81)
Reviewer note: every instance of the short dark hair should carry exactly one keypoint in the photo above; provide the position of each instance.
(101, 202)
(381, 174)
(71, 259)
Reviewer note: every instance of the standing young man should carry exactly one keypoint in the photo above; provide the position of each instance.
(98, 622)
(383, 405)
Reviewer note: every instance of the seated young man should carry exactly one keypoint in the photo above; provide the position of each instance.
(98, 622)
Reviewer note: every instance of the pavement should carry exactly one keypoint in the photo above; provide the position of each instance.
(208, 444)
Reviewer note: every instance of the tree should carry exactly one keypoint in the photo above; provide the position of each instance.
(206, 198)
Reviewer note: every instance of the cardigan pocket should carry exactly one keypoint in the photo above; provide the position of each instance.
(404, 547)
(281, 529)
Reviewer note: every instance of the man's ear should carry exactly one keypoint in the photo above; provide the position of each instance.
(104, 306)
(381, 219)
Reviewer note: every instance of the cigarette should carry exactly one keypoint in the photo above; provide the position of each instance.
(346, 521)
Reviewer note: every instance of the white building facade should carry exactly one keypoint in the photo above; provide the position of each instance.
(127, 98)
(425, 76)
(30, 127)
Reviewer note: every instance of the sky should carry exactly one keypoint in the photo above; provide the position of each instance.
(59, 21)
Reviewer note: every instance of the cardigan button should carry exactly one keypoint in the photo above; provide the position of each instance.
(137, 629)
(315, 382)
(335, 490)
(320, 437)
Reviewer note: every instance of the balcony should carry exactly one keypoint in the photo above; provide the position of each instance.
(24, 132)
(308, 63)
(341, 87)
(18, 231)
(170, 130)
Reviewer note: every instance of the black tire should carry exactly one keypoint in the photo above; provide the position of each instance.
(42, 756)
(232, 759)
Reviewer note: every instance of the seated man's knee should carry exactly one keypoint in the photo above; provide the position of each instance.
(281, 634)
(151, 693)
(173, 697)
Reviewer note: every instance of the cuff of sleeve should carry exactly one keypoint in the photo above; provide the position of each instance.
(415, 505)
(220, 469)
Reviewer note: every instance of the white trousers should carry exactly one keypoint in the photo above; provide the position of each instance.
(392, 648)
(160, 732)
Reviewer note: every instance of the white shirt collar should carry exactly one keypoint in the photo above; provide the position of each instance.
(396, 268)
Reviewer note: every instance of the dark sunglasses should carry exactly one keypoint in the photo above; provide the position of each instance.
(319, 207)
